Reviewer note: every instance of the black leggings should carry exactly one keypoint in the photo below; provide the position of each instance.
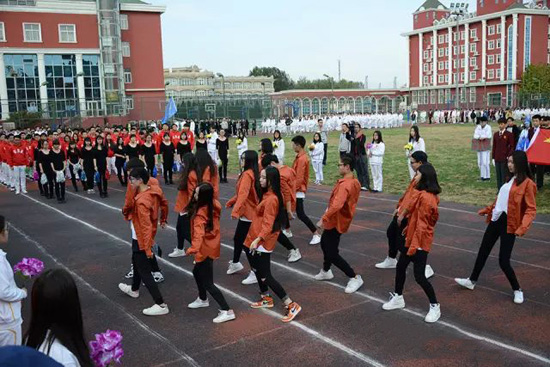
(222, 170)
(330, 240)
(142, 273)
(40, 186)
(261, 266)
(283, 240)
(60, 190)
(102, 185)
(90, 177)
(119, 164)
(48, 186)
(419, 260)
(74, 176)
(204, 276)
(167, 168)
(396, 240)
(492, 233)
(183, 230)
(302, 215)
(238, 239)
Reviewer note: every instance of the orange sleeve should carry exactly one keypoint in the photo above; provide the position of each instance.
(300, 175)
(270, 214)
(145, 228)
(410, 200)
(530, 211)
(285, 189)
(340, 198)
(163, 209)
(128, 203)
(244, 190)
(198, 234)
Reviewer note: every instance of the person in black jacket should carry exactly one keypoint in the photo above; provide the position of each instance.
(74, 161)
(57, 159)
(222, 145)
(514, 129)
(88, 154)
(100, 165)
(120, 160)
(44, 160)
(360, 156)
(167, 151)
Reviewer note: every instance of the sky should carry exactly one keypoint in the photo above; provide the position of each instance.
(301, 37)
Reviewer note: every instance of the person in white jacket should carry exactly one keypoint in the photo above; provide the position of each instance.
(10, 297)
(278, 146)
(376, 159)
(417, 145)
(242, 146)
(483, 135)
(317, 151)
(211, 144)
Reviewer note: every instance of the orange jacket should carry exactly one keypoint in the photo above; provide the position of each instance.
(522, 207)
(184, 196)
(245, 201)
(288, 185)
(301, 167)
(262, 223)
(404, 200)
(205, 244)
(212, 180)
(423, 217)
(342, 204)
(130, 197)
(145, 210)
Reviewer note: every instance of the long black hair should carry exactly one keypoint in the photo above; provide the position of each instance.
(416, 134)
(250, 158)
(205, 162)
(521, 167)
(266, 146)
(379, 133)
(273, 179)
(56, 309)
(189, 164)
(279, 135)
(206, 198)
(428, 180)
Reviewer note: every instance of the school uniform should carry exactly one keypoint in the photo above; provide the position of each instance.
(19, 159)
(317, 160)
(222, 146)
(167, 151)
(58, 162)
(503, 147)
(100, 157)
(44, 160)
(376, 161)
(419, 145)
(483, 157)
(301, 167)
(183, 226)
(10, 305)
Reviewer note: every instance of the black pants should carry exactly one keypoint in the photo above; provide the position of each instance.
(362, 168)
(396, 240)
(150, 166)
(419, 260)
(74, 176)
(222, 170)
(167, 168)
(283, 240)
(48, 186)
(330, 240)
(302, 215)
(102, 185)
(90, 173)
(60, 190)
(183, 230)
(501, 169)
(261, 266)
(204, 276)
(238, 239)
(40, 186)
(538, 171)
(142, 273)
(492, 233)
(119, 164)
(325, 154)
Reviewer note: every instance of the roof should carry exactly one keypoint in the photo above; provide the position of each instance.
(517, 6)
(431, 4)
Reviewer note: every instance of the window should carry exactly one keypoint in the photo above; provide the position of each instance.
(23, 85)
(124, 21)
(446, 65)
(441, 52)
(130, 102)
(473, 95)
(491, 59)
(498, 43)
(473, 75)
(426, 54)
(499, 28)
(447, 37)
(32, 32)
(462, 35)
(2, 32)
(498, 58)
(473, 47)
(440, 65)
(462, 49)
(446, 78)
(473, 33)
(440, 79)
(498, 73)
(491, 45)
(67, 33)
(455, 50)
(491, 30)
(425, 67)
(425, 80)
(491, 74)
(127, 76)
(62, 84)
(462, 63)
(92, 83)
(473, 61)
(446, 52)
(125, 49)
(441, 38)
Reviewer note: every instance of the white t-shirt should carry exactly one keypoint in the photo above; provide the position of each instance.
(60, 354)
(502, 200)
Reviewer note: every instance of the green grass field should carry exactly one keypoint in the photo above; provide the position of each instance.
(448, 149)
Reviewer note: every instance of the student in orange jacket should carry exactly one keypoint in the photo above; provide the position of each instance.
(207, 171)
(396, 239)
(248, 194)
(186, 188)
(301, 167)
(269, 219)
(509, 216)
(423, 209)
(337, 220)
(144, 216)
(205, 211)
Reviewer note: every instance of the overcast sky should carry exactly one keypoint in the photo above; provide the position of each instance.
(302, 37)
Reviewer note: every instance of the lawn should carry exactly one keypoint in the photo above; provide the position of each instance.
(448, 149)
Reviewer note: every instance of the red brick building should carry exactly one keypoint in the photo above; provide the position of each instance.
(81, 59)
(488, 50)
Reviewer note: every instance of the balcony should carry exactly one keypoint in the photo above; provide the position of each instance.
(18, 2)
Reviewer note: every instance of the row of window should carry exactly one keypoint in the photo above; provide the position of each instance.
(444, 78)
(491, 30)
(216, 84)
(443, 96)
(441, 52)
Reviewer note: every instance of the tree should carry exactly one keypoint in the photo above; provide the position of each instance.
(282, 79)
(536, 79)
(304, 83)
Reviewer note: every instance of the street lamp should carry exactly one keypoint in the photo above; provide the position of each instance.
(458, 9)
(263, 99)
(220, 75)
(331, 86)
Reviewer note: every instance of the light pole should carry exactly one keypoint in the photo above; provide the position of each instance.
(458, 9)
(331, 86)
(220, 75)
(263, 100)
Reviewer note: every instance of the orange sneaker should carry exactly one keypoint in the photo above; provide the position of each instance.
(292, 310)
(265, 302)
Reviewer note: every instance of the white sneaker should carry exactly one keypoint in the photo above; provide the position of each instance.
(434, 314)
(250, 279)
(428, 272)
(224, 316)
(125, 288)
(233, 267)
(354, 284)
(396, 301)
(466, 283)
(518, 297)
(17, 192)
(130, 274)
(25, 192)
(324, 275)
(177, 253)
(388, 263)
(315, 240)
(287, 233)
(158, 277)
(156, 310)
(294, 255)
(198, 303)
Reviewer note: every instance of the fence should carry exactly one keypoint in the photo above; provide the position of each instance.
(234, 107)
(497, 100)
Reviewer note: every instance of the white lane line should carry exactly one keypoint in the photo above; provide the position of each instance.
(183, 356)
(297, 324)
(381, 301)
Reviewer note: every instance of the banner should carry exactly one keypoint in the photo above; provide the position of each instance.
(539, 149)
(170, 111)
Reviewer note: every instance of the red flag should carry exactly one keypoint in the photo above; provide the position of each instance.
(539, 150)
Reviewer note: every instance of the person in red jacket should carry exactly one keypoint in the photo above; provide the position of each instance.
(419, 233)
(337, 220)
(511, 215)
(269, 219)
(3, 160)
(503, 146)
(9, 165)
(19, 158)
(205, 218)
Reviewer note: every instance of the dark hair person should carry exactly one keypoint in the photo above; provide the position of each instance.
(207, 170)
(509, 216)
(56, 327)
